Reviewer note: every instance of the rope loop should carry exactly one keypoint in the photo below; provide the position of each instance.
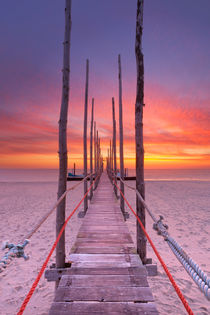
(13, 251)
(160, 227)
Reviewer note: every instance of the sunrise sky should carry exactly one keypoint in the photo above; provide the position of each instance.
(176, 47)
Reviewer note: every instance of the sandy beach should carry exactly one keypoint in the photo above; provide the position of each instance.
(185, 208)
(184, 205)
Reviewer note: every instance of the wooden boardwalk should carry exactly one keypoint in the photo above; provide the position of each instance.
(106, 275)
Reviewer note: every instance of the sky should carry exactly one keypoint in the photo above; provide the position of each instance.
(176, 51)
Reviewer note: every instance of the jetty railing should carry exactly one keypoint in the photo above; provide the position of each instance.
(196, 273)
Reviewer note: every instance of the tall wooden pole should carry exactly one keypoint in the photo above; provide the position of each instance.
(110, 157)
(85, 135)
(95, 155)
(114, 143)
(91, 149)
(108, 160)
(63, 158)
(99, 155)
(141, 239)
(122, 206)
(97, 158)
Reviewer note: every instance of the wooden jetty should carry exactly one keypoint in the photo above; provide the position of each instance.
(106, 274)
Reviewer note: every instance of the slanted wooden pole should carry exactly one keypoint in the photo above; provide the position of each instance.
(91, 149)
(63, 158)
(85, 135)
(122, 206)
(95, 155)
(114, 144)
(140, 210)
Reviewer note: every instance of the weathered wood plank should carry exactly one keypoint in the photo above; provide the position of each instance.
(140, 270)
(107, 236)
(63, 308)
(104, 265)
(105, 227)
(55, 274)
(103, 281)
(82, 242)
(103, 250)
(110, 241)
(104, 294)
(105, 257)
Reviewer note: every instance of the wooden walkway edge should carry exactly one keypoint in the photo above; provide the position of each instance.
(106, 275)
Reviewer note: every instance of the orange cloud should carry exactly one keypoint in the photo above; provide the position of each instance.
(176, 131)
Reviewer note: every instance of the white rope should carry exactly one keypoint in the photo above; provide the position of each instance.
(18, 250)
(44, 218)
(193, 269)
(141, 199)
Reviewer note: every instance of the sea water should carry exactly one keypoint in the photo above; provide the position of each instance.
(51, 175)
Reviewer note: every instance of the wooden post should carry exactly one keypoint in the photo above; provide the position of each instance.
(110, 159)
(91, 149)
(97, 158)
(122, 206)
(114, 144)
(95, 155)
(141, 239)
(99, 143)
(63, 158)
(74, 169)
(85, 135)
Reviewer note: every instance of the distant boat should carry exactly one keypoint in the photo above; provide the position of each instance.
(72, 177)
(126, 177)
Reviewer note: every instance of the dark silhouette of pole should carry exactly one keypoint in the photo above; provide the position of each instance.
(122, 206)
(95, 155)
(63, 158)
(85, 135)
(141, 240)
(91, 149)
(114, 144)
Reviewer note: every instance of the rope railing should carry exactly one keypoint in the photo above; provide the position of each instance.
(18, 250)
(177, 289)
(192, 268)
(34, 285)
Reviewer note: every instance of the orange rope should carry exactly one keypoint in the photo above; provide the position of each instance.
(178, 291)
(30, 293)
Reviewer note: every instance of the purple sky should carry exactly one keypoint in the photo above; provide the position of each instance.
(175, 43)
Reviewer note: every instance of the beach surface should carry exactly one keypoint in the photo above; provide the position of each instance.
(183, 203)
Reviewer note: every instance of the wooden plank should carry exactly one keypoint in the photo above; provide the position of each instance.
(55, 274)
(110, 241)
(63, 308)
(82, 242)
(104, 294)
(103, 281)
(115, 258)
(140, 270)
(104, 265)
(103, 250)
(107, 236)
(105, 227)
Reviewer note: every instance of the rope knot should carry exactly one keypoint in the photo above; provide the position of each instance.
(160, 227)
(14, 251)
